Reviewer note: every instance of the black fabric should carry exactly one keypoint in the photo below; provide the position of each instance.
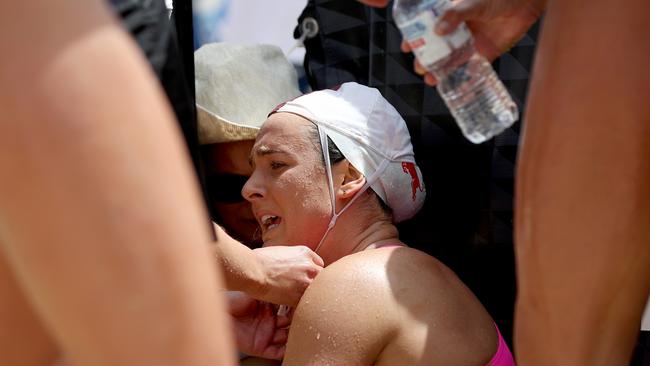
(182, 20)
(149, 24)
(641, 355)
(467, 219)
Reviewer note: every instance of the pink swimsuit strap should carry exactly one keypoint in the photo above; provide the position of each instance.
(502, 357)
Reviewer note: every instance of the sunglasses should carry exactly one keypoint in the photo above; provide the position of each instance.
(226, 188)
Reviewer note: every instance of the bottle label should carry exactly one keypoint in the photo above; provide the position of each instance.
(427, 46)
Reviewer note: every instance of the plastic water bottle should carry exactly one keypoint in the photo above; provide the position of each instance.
(467, 83)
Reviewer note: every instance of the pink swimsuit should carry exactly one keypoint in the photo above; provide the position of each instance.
(502, 357)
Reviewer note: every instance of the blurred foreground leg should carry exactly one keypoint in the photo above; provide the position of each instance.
(583, 189)
(100, 218)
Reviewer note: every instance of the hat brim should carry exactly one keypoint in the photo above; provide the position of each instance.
(214, 129)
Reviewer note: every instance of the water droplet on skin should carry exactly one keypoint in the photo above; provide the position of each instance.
(318, 335)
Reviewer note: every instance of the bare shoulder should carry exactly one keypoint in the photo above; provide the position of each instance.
(399, 304)
(389, 265)
(366, 277)
(353, 289)
(379, 274)
(344, 317)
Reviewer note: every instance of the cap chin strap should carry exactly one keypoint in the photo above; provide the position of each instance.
(328, 170)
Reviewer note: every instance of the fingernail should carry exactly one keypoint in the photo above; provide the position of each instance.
(429, 80)
(442, 27)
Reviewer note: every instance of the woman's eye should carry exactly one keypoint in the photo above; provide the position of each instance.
(277, 165)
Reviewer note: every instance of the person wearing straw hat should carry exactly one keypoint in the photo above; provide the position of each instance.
(335, 170)
(236, 87)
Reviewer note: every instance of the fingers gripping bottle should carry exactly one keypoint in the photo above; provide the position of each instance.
(467, 83)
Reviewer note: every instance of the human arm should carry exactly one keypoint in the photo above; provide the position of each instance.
(98, 201)
(278, 275)
(583, 188)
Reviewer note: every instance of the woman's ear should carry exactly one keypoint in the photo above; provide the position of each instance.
(353, 181)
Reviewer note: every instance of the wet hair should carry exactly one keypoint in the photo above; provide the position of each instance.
(337, 156)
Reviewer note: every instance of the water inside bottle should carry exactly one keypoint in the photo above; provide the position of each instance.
(478, 100)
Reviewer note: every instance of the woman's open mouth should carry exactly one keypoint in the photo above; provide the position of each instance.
(269, 222)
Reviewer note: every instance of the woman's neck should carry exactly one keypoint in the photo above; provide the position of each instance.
(376, 235)
(350, 236)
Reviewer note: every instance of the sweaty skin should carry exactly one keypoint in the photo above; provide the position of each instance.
(278, 275)
(384, 306)
(392, 306)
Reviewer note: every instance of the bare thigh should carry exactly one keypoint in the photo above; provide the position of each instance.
(23, 340)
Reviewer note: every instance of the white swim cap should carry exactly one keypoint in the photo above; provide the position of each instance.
(373, 137)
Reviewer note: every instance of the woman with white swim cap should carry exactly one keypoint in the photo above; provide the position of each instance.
(335, 170)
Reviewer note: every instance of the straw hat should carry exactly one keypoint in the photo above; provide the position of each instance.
(236, 88)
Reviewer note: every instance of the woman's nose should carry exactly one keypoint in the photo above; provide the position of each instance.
(253, 188)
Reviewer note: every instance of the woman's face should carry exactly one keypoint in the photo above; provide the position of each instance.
(288, 189)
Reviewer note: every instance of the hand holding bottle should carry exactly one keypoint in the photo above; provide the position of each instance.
(478, 100)
(495, 24)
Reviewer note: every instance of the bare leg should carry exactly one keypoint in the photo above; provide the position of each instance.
(23, 341)
(583, 193)
(101, 221)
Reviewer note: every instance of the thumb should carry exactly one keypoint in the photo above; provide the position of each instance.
(275, 352)
(317, 259)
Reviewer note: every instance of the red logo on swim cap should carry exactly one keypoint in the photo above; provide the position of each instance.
(415, 179)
